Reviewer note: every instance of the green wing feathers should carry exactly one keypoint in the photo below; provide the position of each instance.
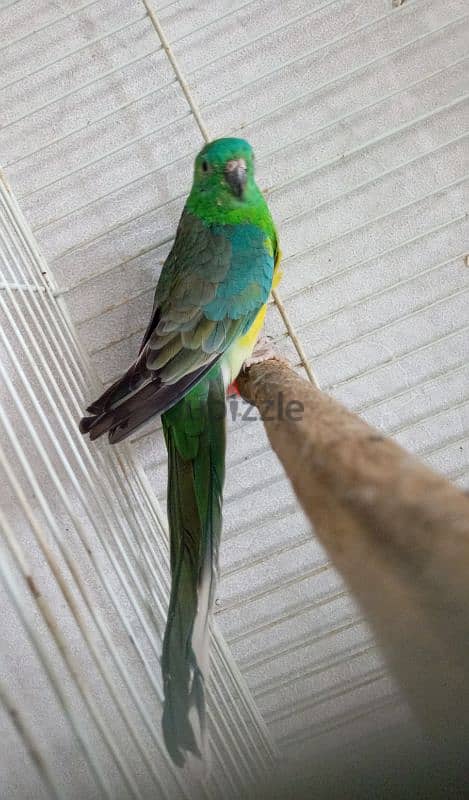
(214, 282)
(195, 438)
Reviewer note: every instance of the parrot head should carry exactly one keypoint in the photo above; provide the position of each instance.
(224, 172)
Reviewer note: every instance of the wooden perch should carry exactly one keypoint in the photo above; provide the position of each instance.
(397, 532)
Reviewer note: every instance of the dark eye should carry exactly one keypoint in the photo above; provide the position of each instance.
(204, 166)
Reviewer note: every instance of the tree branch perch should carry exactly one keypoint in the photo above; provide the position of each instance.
(397, 532)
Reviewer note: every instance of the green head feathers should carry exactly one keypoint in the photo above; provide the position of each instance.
(224, 190)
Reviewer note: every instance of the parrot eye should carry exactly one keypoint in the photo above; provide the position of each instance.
(204, 166)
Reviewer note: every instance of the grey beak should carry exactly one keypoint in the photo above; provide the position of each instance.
(236, 176)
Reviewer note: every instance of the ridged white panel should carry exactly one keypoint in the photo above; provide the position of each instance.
(358, 114)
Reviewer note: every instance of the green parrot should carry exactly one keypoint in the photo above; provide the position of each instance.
(209, 307)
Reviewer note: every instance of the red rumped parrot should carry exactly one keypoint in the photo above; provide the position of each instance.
(209, 307)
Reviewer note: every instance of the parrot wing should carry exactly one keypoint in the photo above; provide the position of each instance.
(213, 283)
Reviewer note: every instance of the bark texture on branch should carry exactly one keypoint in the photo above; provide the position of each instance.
(397, 532)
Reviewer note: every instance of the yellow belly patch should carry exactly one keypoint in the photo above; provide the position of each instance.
(242, 349)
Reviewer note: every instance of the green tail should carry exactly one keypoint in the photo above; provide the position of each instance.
(195, 438)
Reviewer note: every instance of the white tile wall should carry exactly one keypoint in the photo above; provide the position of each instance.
(358, 112)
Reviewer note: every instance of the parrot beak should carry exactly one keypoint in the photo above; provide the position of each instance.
(236, 176)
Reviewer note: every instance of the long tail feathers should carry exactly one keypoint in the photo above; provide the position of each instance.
(195, 438)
